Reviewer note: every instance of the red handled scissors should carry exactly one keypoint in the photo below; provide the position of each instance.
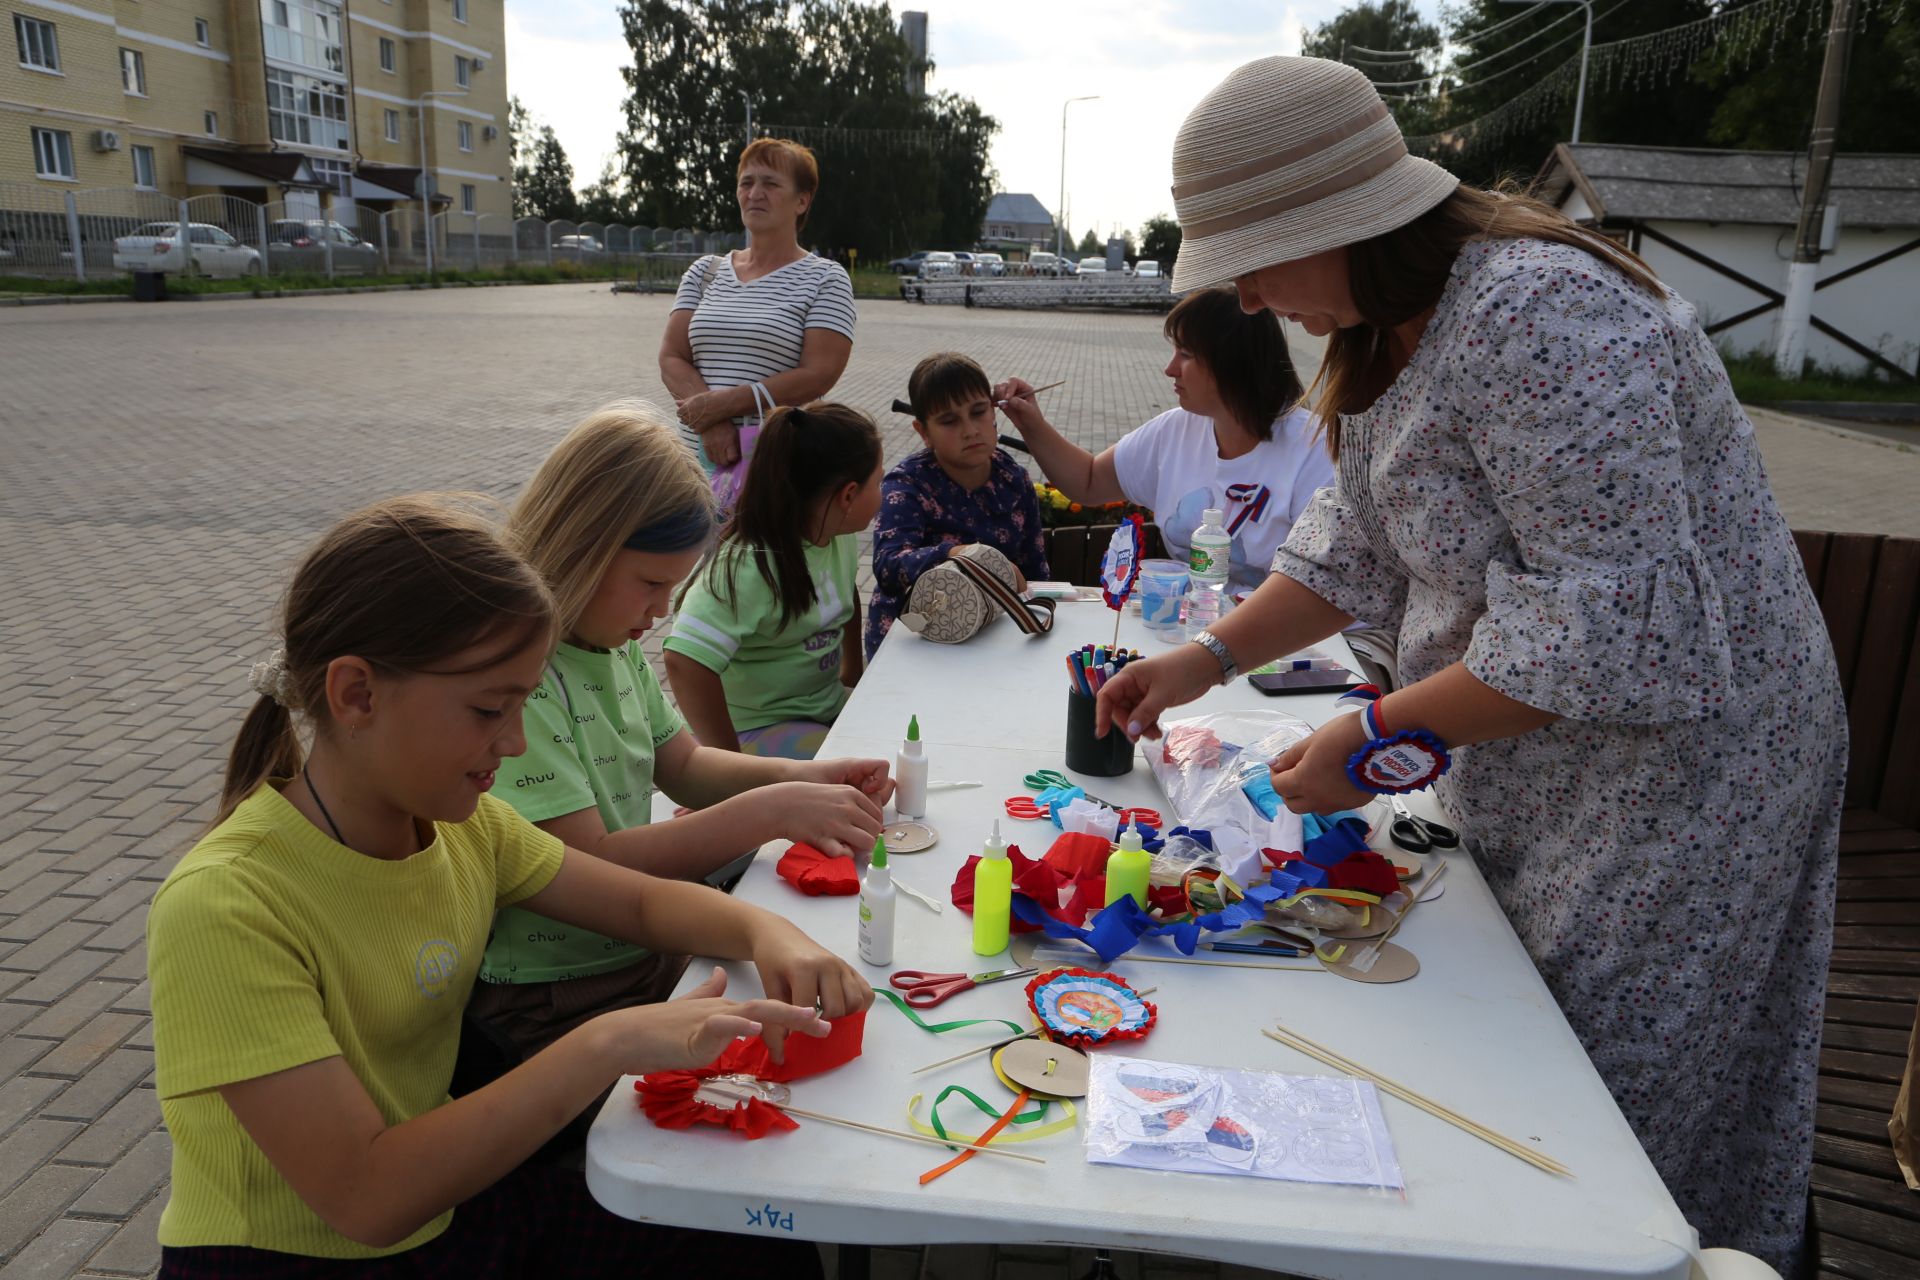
(925, 990)
(1024, 808)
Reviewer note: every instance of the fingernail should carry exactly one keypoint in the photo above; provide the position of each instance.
(821, 1027)
(1133, 728)
(753, 1028)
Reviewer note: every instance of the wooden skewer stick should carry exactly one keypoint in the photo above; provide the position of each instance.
(1373, 948)
(1050, 386)
(902, 1134)
(1217, 964)
(998, 1044)
(1299, 1043)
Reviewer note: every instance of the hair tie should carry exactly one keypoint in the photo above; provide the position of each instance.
(270, 679)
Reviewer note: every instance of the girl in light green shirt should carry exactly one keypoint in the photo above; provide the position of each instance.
(766, 643)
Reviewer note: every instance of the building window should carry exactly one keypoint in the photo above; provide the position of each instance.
(143, 167)
(39, 45)
(467, 197)
(459, 10)
(306, 109)
(336, 174)
(465, 128)
(307, 32)
(133, 71)
(210, 121)
(462, 71)
(53, 153)
(389, 56)
(202, 33)
(391, 118)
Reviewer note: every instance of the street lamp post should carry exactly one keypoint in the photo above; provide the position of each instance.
(1586, 46)
(1059, 212)
(426, 204)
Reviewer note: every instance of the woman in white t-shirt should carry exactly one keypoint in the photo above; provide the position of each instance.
(1236, 442)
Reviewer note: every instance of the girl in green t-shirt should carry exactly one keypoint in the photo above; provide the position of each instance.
(766, 643)
(615, 518)
(310, 956)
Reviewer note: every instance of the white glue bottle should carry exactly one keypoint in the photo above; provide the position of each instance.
(910, 775)
(876, 909)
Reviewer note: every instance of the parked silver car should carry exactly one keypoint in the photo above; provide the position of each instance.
(299, 245)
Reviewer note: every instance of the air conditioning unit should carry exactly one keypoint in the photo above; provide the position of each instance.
(479, 65)
(106, 140)
(490, 132)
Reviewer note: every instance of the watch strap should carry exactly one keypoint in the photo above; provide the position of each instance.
(1214, 645)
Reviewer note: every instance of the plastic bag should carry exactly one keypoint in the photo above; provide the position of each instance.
(1202, 764)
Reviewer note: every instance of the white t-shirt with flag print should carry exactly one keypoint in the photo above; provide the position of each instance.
(1173, 466)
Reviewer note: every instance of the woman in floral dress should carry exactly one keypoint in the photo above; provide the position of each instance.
(1545, 480)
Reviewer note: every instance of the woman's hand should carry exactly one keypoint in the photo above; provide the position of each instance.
(688, 1033)
(722, 443)
(870, 776)
(1311, 776)
(838, 819)
(704, 409)
(1132, 701)
(799, 971)
(1015, 398)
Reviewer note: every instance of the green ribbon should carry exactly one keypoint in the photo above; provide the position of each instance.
(941, 1028)
(985, 1108)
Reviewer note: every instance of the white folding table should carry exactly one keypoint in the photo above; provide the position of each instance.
(1476, 1030)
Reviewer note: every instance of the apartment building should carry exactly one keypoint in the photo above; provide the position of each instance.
(269, 100)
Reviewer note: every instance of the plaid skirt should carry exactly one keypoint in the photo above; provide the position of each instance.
(536, 1221)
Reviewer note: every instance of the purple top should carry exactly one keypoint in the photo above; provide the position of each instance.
(923, 514)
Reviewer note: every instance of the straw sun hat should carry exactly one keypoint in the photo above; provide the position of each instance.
(1288, 157)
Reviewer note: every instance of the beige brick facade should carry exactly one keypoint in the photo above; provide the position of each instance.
(208, 62)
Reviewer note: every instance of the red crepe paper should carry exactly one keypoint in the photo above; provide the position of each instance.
(1060, 893)
(668, 1097)
(1078, 853)
(1086, 1040)
(815, 874)
(1364, 871)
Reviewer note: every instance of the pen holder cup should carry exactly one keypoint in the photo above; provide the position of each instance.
(1107, 757)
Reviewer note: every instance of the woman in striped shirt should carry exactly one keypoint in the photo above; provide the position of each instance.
(765, 326)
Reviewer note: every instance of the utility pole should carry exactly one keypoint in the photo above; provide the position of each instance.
(1060, 210)
(1790, 346)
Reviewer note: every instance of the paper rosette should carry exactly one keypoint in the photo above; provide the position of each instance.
(1084, 1007)
(1120, 567)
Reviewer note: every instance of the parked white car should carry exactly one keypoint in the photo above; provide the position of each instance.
(1091, 267)
(939, 264)
(157, 247)
(1146, 270)
(578, 244)
(1042, 263)
(989, 264)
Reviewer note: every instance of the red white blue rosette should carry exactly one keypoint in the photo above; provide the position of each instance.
(1120, 567)
(1084, 1007)
(1405, 761)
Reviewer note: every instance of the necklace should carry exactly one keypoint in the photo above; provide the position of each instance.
(306, 778)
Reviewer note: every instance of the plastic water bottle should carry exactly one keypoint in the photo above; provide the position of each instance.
(1211, 558)
(1206, 605)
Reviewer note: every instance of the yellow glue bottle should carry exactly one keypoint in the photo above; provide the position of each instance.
(992, 896)
(1127, 868)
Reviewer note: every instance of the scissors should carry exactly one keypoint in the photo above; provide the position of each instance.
(925, 990)
(1024, 808)
(1419, 835)
(1046, 779)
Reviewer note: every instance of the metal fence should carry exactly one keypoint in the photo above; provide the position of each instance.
(79, 235)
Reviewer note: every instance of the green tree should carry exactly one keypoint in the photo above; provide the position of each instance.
(548, 186)
(1394, 46)
(1766, 93)
(1160, 241)
(610, 200)
(896, 171)
(1091, 245)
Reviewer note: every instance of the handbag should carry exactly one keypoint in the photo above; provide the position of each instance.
(726, 482)
(956, 599)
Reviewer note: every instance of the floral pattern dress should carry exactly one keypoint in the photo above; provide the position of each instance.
(1561, 492)
(924, 514)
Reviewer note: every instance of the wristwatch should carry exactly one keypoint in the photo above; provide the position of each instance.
(1217, 647)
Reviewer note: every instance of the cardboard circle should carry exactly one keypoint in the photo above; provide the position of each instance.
(1045, 1069)
(909, 837)
(1379, 920)
(1405, 865)
(1394, 964)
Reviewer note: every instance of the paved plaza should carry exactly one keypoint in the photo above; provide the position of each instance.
(160, 469)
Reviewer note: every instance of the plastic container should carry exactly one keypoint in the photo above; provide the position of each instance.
(1107, 757)
(1127, 869)
(1206, 604)
(1161, 590)
(910, 775)
(1211, 556)
(992, 896)
(877, 897)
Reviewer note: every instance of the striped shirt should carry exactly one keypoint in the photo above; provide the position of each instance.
(742, 333)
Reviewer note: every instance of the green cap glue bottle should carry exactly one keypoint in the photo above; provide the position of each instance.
(992, 896)
(1127, 868)
(910, 775)
(876, 908)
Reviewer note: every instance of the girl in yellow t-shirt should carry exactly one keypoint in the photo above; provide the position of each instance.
(310, 957)
(615, 518)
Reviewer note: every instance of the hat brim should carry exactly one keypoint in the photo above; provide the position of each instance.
(1385, 202)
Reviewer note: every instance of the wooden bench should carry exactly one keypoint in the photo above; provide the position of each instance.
(1865, 1224)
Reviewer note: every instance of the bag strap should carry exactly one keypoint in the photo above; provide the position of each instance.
(1033, 617)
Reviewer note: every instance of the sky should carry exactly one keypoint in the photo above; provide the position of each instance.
(1149, 62)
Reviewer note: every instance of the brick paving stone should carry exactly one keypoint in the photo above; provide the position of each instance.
(89, 1097)
(135, 1248)
(125, 1123)
(39, 1200)
(131, 1179)
(49, 945)
(18, 1052)
(58, 1251)
(71, 1012)
(81, 1049)
(61, 976)
(23, 1096)
(27, 1145)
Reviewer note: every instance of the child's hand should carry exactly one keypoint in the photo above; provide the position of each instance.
(835, 818)
(1015, 398)
(688, 1033)
(870, 776)
(798, 970)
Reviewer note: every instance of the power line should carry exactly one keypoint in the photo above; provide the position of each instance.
(1445, 40)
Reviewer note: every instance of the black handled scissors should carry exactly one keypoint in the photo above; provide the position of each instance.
(1419, 835)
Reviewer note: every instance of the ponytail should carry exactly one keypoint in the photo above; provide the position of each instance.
(267, 747)
(805, 455)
